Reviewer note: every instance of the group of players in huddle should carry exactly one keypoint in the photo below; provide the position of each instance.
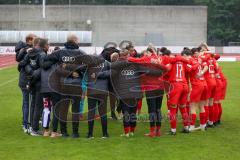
(50, 82)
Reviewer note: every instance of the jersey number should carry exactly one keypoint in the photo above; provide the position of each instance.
(179, 74)
(211, 68)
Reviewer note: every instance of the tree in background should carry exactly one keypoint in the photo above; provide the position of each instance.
(222, 20)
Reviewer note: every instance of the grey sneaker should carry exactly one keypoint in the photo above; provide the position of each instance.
(36, 133)
(25, 130)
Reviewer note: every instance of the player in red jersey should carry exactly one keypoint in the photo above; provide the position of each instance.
(220, 93)
(198, 94)
(207, 57)
(186, 53)
(153, 88)
(178, 93)
(223, 94)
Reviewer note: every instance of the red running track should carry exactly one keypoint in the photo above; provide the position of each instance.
(7, 61)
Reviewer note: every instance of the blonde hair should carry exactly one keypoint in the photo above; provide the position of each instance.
(124, 53)
(30, 37)
(203, 46)
(72, 38)
(114, 57)
(36, 41)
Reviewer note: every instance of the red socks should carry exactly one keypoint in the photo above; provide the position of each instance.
(215, 112)
(188, 108)
(158, 133)
(139, 105)
(193, 119)
(202, 118)
(211, 113)
(126, 130)
(132, 129)
(151, 133)
(173, 118)
(220, 111)
(184, 116)
(206, 113)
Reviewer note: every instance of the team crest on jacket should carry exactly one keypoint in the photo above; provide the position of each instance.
(33, 62)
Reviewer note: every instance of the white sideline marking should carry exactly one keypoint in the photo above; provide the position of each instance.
(9, 81)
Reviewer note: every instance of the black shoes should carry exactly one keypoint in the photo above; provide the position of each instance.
(106, 135)
(210, 126)
(75, 135)
(90, 136)
(65, 135)
(186, 131)
(172, 133)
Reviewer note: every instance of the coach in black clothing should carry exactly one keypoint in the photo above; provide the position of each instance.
(32, 64)
(97, 83)
(125, 78)
(69, 80)
(109, 50)
(21, 51)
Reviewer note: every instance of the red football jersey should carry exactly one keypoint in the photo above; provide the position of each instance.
(196, 70)
(212, 67)
(211, 63)
(177, 72)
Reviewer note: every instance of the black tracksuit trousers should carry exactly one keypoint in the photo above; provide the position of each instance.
(129, 109)
(97, 102)
(63, 112)
(154, 101)
(36, 108)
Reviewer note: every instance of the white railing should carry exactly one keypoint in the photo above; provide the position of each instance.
(53, 36)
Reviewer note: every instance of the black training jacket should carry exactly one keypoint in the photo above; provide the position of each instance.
(100, 83)
(32, 65)
(125, 78)
(21, 51)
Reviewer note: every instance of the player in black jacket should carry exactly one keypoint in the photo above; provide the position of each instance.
(125, 78)
(109, 49)
(32, 64)
(69, 85)
(97, 92)
(21, 51)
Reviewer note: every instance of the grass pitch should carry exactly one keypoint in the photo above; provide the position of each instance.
(216, 144)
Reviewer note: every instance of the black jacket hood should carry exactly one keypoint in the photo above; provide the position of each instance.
(71, 45)
(20, 45)
(34, 51)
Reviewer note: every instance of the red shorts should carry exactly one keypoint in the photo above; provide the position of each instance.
(219, 90)
(199, 92)
(178, 93)
(224, 89)
(211, 87)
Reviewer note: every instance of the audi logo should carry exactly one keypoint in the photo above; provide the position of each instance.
(127, 72)
(68, 59)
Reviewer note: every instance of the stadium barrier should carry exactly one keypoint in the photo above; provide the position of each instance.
(230, 54)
